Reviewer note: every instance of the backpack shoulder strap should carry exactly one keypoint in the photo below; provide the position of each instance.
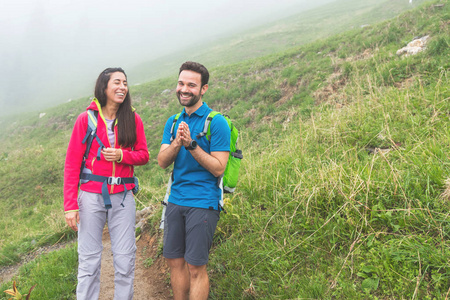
(91, 133)
(93, 115)
(207, 128)
(173, 126)
(92, 124)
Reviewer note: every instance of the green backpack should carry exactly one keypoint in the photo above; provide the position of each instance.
(228, 181)
(230, 176)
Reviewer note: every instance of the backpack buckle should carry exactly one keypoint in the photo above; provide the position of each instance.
(201, 134)
(114, 180)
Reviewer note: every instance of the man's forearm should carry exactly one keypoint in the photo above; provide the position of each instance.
(167, 155)
(215, 162)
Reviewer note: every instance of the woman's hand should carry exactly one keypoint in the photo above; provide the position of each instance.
(112, 154)
(72, 219)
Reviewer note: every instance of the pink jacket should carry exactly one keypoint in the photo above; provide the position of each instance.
(136, 155)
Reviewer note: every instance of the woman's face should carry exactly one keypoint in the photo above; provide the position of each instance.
(117, 88)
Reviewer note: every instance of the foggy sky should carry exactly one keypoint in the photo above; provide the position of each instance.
(53, 50)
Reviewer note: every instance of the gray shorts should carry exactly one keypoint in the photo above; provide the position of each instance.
(188, 233)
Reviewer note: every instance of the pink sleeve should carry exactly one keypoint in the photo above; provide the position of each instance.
(74, 158)
(139, 155)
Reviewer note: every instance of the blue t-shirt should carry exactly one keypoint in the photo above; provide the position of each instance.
(193, 185)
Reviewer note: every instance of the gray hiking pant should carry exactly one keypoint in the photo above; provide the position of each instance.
(121, 225)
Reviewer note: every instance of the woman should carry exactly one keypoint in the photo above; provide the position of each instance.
(105, 192)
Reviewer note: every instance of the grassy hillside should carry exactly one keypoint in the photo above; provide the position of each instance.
(299, 28)
(344, 199)
(342, 183)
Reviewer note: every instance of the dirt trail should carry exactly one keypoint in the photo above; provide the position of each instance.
(150, 282)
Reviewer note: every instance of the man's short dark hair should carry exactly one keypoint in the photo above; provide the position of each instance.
(198, 68)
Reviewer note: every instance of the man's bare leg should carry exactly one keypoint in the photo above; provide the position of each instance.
(199, 285)
(179, 278)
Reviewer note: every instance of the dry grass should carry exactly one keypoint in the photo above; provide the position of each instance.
(446, 194)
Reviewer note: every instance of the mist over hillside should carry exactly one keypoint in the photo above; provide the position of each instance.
(297, 28)
(55, 51)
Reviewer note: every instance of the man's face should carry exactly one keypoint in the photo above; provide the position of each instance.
(189, 88)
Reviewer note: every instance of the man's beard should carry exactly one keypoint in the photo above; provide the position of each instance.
(192, 102)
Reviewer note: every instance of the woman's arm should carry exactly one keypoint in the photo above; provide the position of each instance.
(72, 165)
(139, 154)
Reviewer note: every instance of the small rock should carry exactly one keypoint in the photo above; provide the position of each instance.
(414, 47)
(141, 214)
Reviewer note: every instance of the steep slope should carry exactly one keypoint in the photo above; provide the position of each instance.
(346, 199)
(345, 164)
(299, 28)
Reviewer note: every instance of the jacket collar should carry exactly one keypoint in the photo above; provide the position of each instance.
(95, 105)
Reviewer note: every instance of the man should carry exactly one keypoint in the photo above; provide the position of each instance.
(193, 209)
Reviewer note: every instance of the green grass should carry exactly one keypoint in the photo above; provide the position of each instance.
(319, 212)
(55, 276)
(316, 211)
